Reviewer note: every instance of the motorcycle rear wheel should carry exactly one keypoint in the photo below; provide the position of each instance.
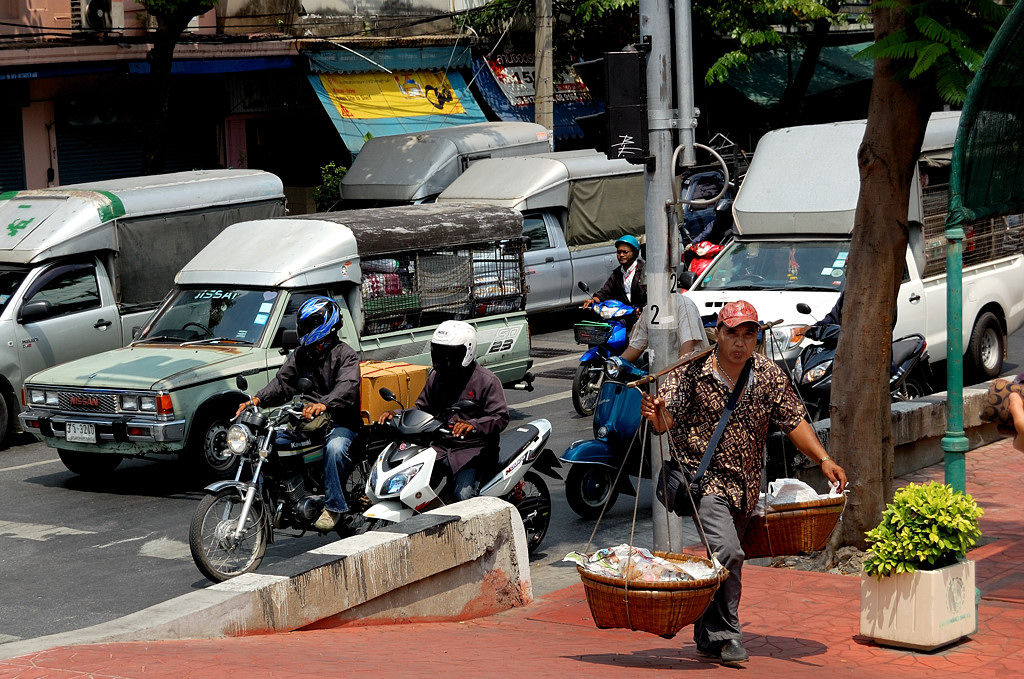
(586, 387)
(588, 487)
(216, 554)
(533, 501)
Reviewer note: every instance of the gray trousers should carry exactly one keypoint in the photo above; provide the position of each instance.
(723, 526)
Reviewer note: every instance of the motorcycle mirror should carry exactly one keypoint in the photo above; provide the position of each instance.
(803, 308)
(305, 385)
(388, 395)
(686, 280)
(464, 404)
(582, 285)
(241, 383)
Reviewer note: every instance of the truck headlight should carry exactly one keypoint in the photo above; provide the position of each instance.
(238, 438)
(147, 404)
(40, 397)
(129, 403)
(400, 480)
(788, 337)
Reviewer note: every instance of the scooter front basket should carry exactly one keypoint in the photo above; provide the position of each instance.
(591, 333)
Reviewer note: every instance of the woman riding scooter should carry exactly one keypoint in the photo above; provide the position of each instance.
(625, 283)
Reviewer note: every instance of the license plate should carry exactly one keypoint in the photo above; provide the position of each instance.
(80, 432)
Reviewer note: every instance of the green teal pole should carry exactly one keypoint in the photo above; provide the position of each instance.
(954, 443)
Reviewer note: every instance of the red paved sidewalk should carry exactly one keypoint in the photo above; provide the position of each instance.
(796, 624)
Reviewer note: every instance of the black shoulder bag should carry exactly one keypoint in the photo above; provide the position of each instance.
(674, 478)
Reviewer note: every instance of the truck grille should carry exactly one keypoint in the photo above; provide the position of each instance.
(87, 402)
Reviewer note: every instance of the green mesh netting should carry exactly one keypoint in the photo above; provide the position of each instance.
(987, 177)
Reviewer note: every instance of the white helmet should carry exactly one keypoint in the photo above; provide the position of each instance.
(453, 344)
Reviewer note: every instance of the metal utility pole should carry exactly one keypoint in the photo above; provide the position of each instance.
(543, 79)
(662, 243)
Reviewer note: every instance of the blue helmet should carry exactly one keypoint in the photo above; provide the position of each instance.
(631, 241)
(318, 317)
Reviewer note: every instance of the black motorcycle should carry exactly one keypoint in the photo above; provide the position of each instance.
(283, 465)
(910, 373)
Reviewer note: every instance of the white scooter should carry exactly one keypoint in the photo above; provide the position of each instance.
(406, 478)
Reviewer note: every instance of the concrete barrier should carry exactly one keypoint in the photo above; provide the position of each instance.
(466, 560)
(918, 427)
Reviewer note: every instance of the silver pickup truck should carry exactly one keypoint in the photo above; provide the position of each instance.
(396, 272)
(574, 204)
(83, 266)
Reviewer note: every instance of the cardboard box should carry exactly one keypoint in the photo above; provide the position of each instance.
(405, 379)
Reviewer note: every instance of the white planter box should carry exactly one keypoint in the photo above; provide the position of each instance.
(921, 610)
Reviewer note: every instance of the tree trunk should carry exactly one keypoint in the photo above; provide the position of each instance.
(861, 436)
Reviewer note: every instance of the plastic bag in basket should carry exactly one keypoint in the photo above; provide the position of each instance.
(638, 564)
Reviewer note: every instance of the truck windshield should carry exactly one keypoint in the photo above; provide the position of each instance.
(779, 265)
(222, 314)
(10, 279)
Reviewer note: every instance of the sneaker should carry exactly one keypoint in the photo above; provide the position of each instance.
(733, 651)
(326, 521)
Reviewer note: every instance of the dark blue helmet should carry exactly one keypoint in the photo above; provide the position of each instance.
(318, 317)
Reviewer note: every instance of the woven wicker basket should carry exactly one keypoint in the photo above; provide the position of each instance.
(792, 529)
(661, 608)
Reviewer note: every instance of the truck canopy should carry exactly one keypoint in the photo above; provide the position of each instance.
(324, 248)
(604, 197)
(45, 223)
(412, 167)
(805, 180)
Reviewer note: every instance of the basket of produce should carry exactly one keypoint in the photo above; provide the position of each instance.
(591, 333)
(792, 528)
(662, 593)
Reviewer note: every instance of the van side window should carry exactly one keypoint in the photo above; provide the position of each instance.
(536, 231)
(68, 289)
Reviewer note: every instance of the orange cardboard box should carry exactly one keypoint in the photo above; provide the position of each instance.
(405, 379)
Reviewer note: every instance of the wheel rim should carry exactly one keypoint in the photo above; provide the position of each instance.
(219, 550)
(590, 389)
(534, 506)
(215, 447)
(988, 349)
(595, 486)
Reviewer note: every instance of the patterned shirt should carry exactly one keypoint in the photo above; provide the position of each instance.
(695, 397)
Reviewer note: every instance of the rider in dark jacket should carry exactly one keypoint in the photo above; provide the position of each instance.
(333, 368)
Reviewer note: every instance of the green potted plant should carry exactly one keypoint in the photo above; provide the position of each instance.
(917, 588)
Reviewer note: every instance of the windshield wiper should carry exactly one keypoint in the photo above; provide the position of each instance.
(155, 338)
(214, 340)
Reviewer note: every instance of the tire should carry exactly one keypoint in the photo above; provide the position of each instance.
(533, 501)
(915, 388)
(5, 422)
(89, 465)
(355, 497)
(586, 387)
(984, 359)
(206, 454)
(588, 487)
(215, 554)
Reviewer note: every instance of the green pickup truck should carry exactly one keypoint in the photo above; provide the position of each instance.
(396, 272)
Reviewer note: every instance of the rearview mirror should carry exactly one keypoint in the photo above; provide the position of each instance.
(803, 308)
(387, 394)
(241, 382)
(305, 385)
(583, 286)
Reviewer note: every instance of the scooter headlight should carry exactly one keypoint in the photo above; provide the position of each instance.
(400, 480)
(602, 432)
(816, 373)
(239, 438)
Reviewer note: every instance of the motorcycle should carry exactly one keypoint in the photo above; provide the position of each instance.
(283, 487)
(407, 480)
(606, 338)
(703, 253)
(910, 371)
(590, 484)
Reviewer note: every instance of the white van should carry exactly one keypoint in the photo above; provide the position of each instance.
(794, 217)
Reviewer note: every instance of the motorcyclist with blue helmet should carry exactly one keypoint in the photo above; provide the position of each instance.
(626, 282)
(333, 367)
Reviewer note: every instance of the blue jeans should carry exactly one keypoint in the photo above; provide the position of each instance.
(337, 466)
(466, 483)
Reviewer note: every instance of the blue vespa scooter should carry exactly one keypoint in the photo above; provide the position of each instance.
(594, 463)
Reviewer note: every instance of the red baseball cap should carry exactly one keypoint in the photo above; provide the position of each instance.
(735, 313)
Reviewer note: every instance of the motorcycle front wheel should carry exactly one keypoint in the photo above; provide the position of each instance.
(218, 554)
(586, 387)
(588, 487)
(533, 501)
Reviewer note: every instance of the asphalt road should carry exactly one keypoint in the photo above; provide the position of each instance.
(75, 553)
